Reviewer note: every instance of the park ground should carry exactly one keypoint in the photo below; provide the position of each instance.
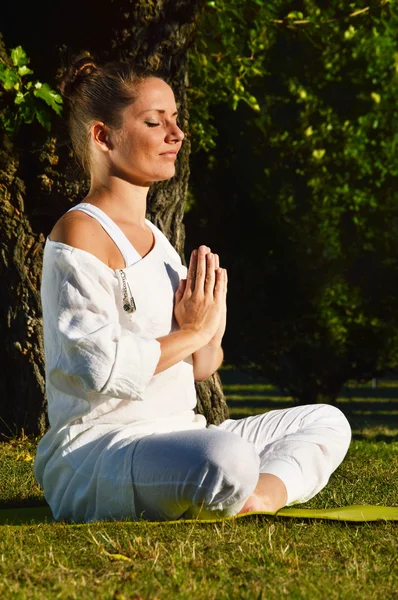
(259, 557)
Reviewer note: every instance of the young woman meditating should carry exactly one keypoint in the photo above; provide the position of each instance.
(127, 330)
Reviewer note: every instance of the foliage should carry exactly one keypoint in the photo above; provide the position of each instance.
(229, 52)
(313, 289)
(22, 99)
(302, 95)
(229, 55)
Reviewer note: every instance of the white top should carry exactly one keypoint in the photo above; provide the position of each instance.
(126, 248)
(101, 389)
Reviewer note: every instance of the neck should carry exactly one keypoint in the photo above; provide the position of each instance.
(120, 199)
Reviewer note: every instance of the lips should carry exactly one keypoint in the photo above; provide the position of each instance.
(170, 155)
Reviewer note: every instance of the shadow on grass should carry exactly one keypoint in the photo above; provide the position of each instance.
(367, 392)
(378, 437)
(262, 405)
(359, 424)
(28, 502)
(372, 412)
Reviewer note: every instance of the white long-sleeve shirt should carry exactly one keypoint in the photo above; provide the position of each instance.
(101, 389)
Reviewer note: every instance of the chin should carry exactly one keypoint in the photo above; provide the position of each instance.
(164, 175)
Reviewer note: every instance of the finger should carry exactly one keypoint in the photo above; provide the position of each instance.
(216, 261)
(210, 274)
(206, 250)
(201, 269)
(180, 290)
(219, 285)
(191, 275)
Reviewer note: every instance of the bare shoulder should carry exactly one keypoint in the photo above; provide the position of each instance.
(81, 231)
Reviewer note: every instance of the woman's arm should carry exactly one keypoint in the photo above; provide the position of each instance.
(177, 346)
(97, 350)
(206, 361)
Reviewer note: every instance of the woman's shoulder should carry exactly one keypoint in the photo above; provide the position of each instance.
(70, 247)
(78, 230)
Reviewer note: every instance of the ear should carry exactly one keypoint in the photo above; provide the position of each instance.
(101, 136)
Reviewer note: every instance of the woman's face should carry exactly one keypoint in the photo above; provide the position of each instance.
(146, 147)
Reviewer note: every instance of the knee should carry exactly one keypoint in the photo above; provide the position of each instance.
(338, 423)
(234, 466)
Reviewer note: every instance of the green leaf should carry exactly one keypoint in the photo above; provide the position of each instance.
(350, 32)
(295, 15)
(10, 124)
(19, 98)
(376, 97)
(43, 91)
(18, 57)
(44, 118)
(24, 70)
(27, 111)
(9, 78)
(319, 154)
(235, 101)
(253, 103)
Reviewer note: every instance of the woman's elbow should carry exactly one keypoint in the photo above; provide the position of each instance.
(200, 376)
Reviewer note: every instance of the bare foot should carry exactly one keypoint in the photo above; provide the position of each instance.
(256, 504)
(269, 495)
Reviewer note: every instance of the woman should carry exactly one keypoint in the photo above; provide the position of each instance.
(127, 329)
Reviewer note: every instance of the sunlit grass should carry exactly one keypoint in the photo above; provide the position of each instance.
(256, 558)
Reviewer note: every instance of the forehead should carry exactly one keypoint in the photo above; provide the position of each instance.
(154, 94)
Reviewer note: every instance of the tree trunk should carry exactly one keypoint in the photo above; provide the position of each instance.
(211, 400)
(22, 386)
(39, 181)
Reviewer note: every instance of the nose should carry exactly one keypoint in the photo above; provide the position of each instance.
(175, 134)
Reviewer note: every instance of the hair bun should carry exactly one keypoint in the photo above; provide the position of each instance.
(81, 67)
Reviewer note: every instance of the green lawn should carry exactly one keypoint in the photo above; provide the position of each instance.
(254, 558)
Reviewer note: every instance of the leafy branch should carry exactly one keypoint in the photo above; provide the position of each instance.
(23, 100)
(292, 20)
(227, 63)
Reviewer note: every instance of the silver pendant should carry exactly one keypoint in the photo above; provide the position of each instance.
(128, 300)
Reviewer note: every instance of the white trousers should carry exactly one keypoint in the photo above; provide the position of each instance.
(211, 472)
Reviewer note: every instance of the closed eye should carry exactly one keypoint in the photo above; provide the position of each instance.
(152, 124)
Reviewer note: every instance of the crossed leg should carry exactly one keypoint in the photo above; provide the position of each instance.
(259, 463)
(299, 448)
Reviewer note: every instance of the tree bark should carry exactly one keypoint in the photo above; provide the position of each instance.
(39, 181)
(22, 386)
(211, 400)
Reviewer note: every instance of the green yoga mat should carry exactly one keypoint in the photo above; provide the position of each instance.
(358, 513)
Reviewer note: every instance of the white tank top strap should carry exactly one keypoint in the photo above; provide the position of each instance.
(126, 248)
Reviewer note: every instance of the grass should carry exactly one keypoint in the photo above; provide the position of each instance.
(255, 558)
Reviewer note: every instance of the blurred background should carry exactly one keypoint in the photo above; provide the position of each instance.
(289, 173)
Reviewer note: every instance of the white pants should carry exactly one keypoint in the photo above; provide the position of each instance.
(212, 472)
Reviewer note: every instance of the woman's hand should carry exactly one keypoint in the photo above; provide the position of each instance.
(217, 339)
(200, 301)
